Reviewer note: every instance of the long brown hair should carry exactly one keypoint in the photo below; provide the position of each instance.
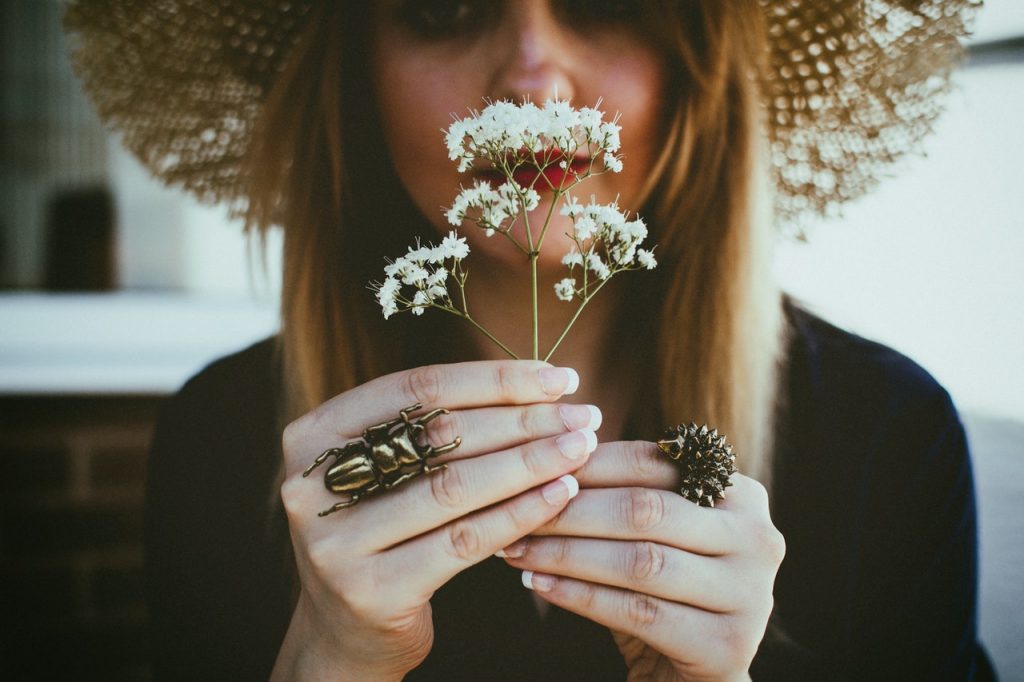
(717, 332)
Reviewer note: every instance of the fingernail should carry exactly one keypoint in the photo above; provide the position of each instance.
(559, 380)
(513, 551)
(539, 582)
(580, 417)
(561, 490)
(576, 444)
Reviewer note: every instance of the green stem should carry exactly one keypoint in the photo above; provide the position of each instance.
(469, 318)
(536, 321)
(573, 320)
(547, 219)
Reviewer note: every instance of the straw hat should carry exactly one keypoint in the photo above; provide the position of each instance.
(853, 85)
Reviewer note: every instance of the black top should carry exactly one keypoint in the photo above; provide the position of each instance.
(873, 494)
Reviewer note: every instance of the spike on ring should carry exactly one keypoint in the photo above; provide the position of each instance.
(704, 459)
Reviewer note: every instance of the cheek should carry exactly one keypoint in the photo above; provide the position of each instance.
(415, 107)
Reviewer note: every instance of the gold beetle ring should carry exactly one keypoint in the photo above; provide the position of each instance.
(704, 459)
(387, 455)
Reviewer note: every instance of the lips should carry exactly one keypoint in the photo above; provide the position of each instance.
(554, 176)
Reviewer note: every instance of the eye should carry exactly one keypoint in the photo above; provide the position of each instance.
(440, 19)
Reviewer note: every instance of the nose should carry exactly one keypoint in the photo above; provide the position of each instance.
(535, 56)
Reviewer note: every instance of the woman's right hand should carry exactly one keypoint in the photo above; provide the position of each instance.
(367, 573)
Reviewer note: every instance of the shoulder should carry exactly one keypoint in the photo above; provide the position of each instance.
(861, 421)
(850, 378)
(223, 414)
(243, 382)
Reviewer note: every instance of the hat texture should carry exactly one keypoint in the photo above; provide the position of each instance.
(851, 85)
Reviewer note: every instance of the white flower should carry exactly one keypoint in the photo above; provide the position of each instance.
(571, 207)
(437, 278)
(646, 259)
(612, 163)
(597, 266)
(414, 274)
(584, 227)
(565, 289)
(453, 246)
(573, 258)
(504, 128)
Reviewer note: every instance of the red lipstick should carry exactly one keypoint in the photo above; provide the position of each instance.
(554, 176)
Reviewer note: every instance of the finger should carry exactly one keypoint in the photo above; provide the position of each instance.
(681, 632)
(419, 567)
(746, 496)
(462, 385)
(488, 429)
(629, 463)
(646, 514)
(648, 567)
(465, 486)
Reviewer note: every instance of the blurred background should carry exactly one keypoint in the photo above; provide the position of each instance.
(115, 289)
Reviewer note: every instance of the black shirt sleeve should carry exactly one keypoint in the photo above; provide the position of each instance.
(876, 499)
(215, 583)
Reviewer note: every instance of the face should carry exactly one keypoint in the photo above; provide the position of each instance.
(432, 59)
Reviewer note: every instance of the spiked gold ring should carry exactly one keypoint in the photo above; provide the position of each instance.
(704, 459)
(388, 454)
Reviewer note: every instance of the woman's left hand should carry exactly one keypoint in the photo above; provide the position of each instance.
(686, 590)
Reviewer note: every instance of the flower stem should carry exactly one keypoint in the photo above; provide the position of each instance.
(469, 318)
(573, 320)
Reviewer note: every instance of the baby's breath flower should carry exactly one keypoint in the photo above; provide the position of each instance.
(507, 137)
(612, 163)
(452, 246)
(521, 131)
(573, 258)
(571, 207)
(597, 266)
(566, 289)
(646, 259)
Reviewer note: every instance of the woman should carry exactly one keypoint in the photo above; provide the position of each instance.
(861, 450)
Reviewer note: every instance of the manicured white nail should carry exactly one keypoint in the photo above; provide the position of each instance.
(591, 440)
(574, 380)
(559, 380)
(579, 416)
(501, 554)
(572, 484)
(538, 583)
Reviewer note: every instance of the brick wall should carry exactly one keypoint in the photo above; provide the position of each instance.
(71, 486)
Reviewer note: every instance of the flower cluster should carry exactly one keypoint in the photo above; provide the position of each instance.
(490, 208)
(606, 242)
(517, 145)
(507, 135)
(419, 279)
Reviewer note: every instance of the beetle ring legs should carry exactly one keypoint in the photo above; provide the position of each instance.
(387, 455)
(704, 459)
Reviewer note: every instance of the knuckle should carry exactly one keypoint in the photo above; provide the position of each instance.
(464, 541)
(644, 509)
(739, 642)
(527, 421)
(448, 487)
(561, 552)
(769, 541)
(642, 610)
(425, 385)
(445, 429)
(646, 562)
(640, 459)
(291, 496)
(534, 459)
(505, 380)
